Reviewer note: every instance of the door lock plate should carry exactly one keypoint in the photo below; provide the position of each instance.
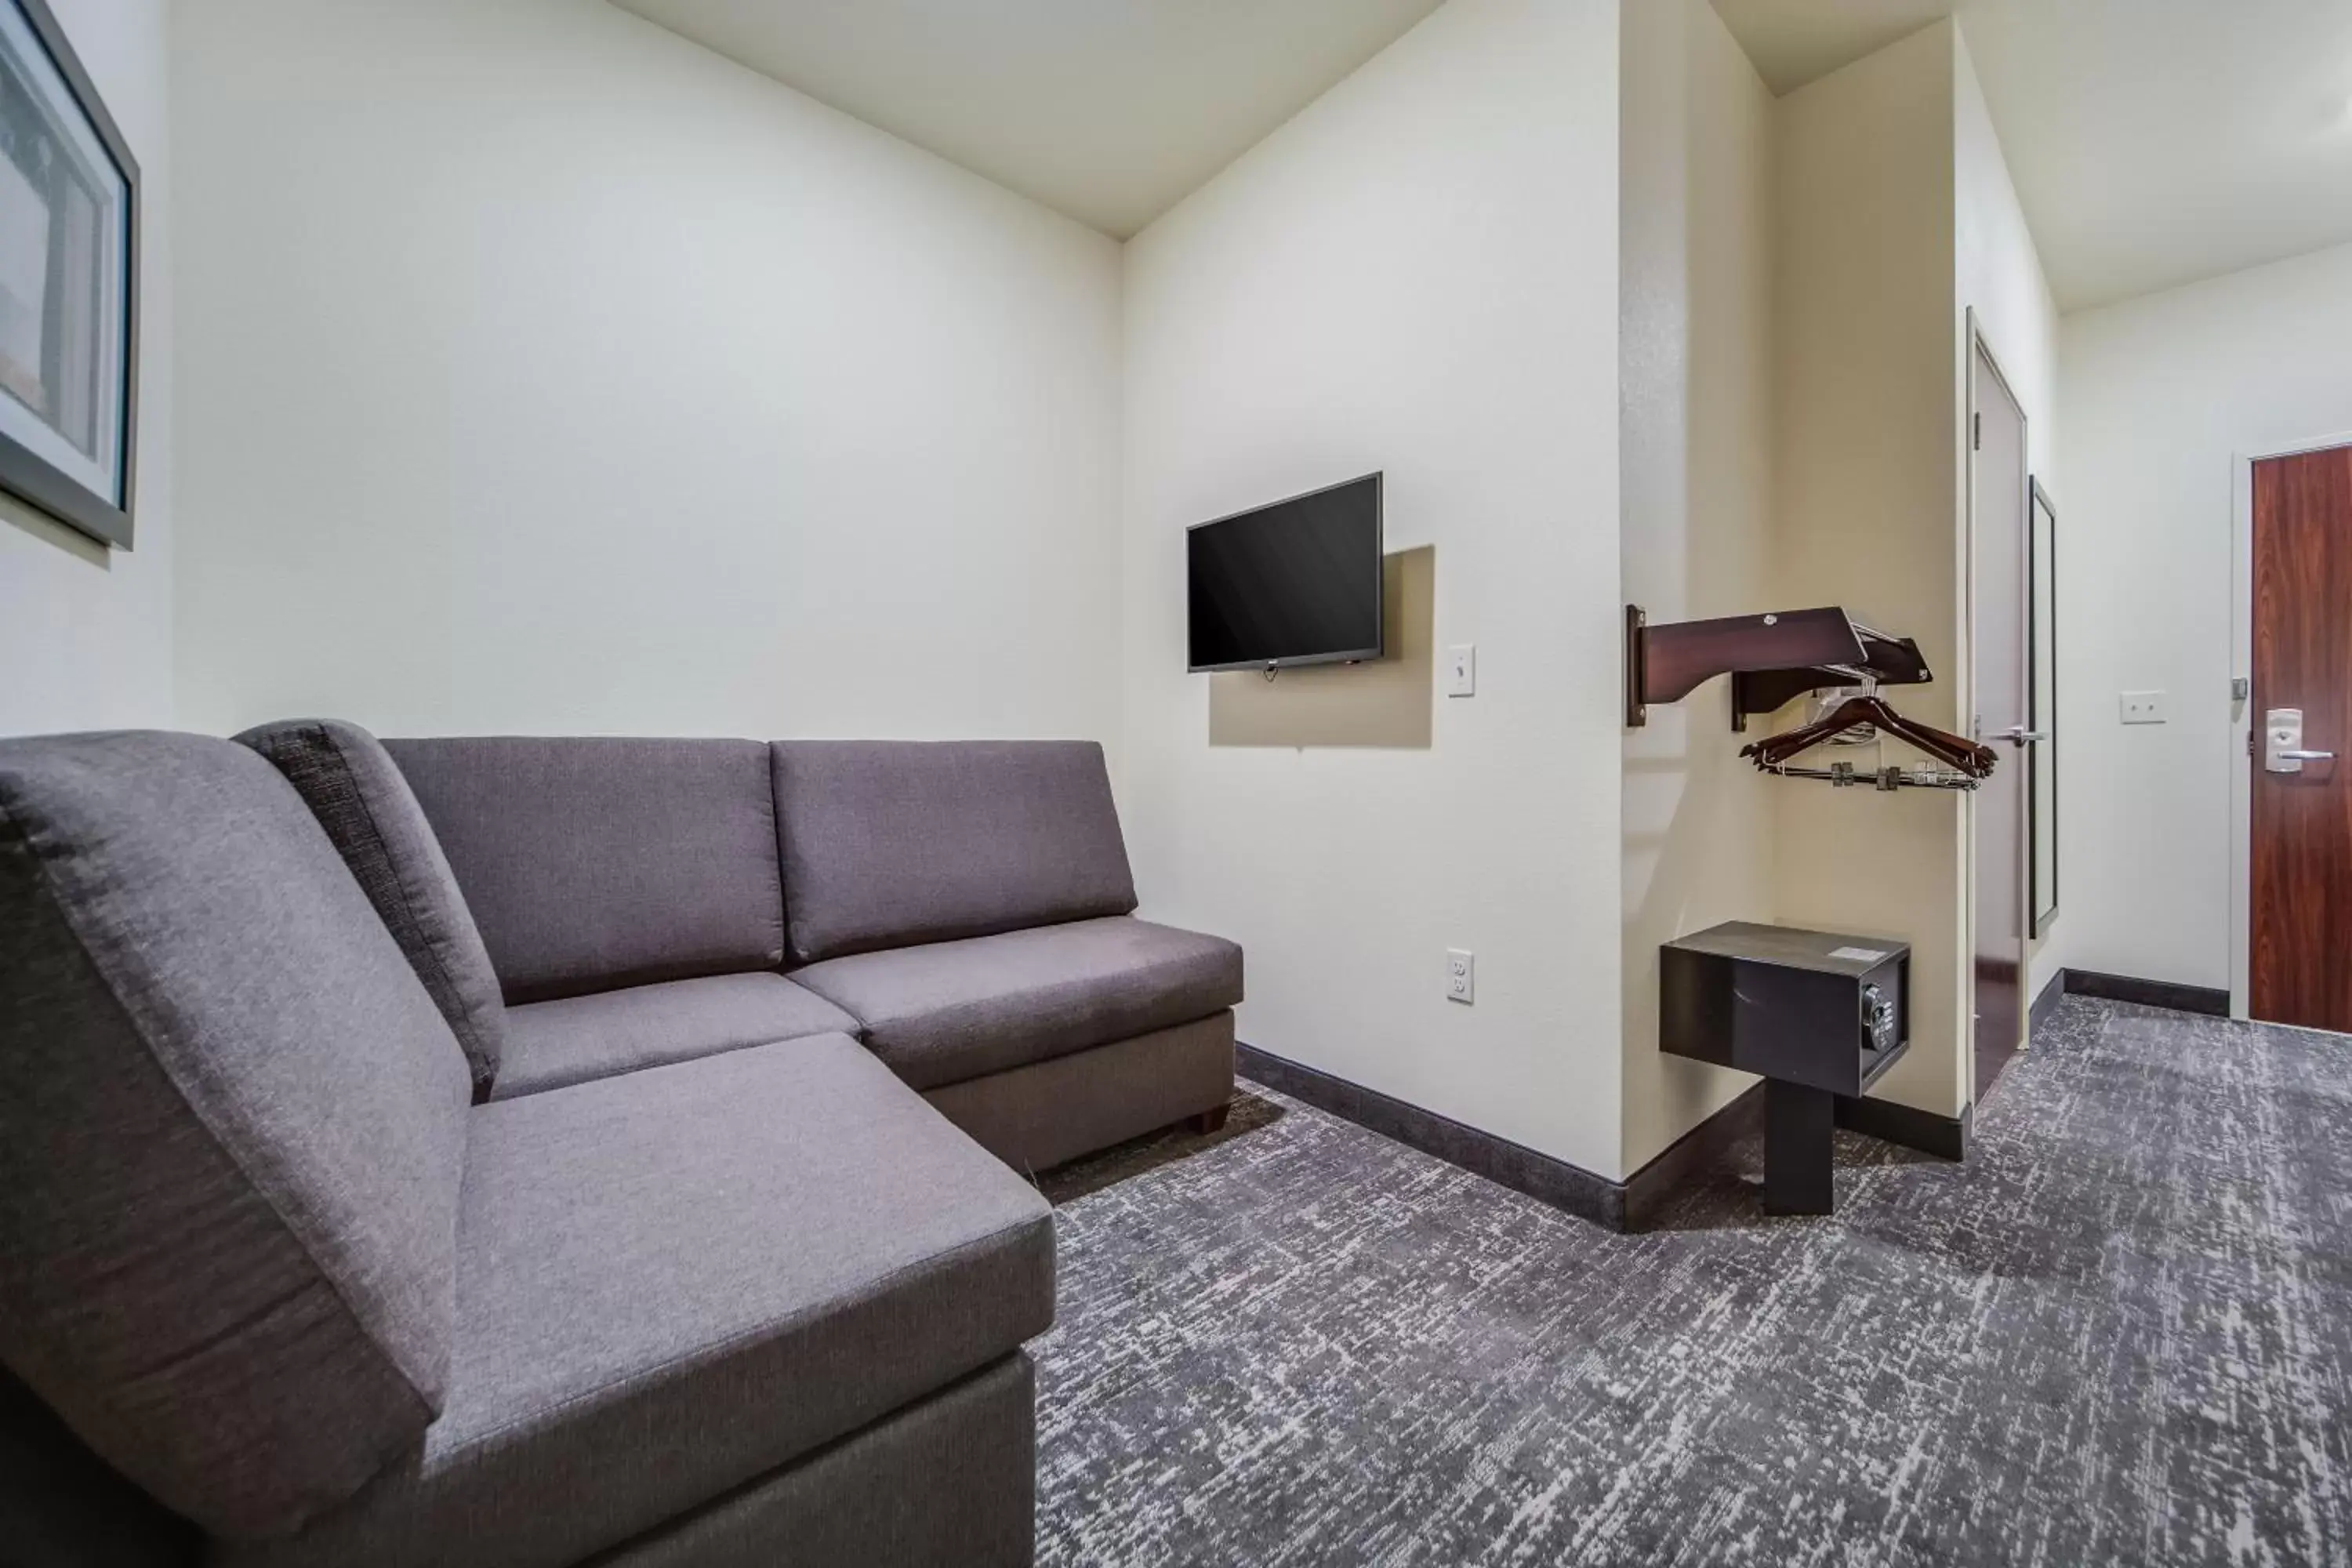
(2282, 747)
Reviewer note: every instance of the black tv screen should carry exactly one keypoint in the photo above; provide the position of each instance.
(1295, 583)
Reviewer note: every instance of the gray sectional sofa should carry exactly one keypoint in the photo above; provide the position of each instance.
(552, 1151)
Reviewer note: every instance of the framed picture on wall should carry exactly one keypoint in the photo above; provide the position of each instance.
(68, 284)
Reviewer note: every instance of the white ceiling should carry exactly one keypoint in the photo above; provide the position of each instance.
(1108, 110)
(1793, 41)
(2153, 142)
(2157, 142)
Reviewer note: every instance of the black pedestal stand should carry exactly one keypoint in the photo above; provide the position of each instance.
(1814, 1014)
(1800, 1126)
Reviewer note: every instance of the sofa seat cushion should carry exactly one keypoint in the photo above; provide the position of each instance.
(355, 790)
(674, 1281)
(955, 1010)
(554, 1043)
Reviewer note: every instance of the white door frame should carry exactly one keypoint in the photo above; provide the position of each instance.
(1977, 343)
(2242, 709)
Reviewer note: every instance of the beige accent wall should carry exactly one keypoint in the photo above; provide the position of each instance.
(1381, 703)
(1866, 506)
(1695, 413)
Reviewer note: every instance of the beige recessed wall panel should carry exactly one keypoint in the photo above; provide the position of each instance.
(1866, 506)
(1384, 703)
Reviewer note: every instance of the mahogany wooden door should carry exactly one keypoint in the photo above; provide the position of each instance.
(2300, 903)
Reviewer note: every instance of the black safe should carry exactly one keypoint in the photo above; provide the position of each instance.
(1804, 1006)
(1816, 1015)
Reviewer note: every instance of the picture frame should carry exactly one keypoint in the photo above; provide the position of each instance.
(69, 243)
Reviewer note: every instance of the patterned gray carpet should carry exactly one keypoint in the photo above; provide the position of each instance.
(2121, 1332)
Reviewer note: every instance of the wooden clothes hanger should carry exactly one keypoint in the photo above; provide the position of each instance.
(1953, 751)
(1965, 756)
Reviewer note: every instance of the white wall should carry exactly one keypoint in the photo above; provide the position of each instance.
(1865, 513)
(1417, 274)
(1999, 275)
(1696, 381)
(85, 633)
(544, 372)
(2157, 395)
(1997, 266)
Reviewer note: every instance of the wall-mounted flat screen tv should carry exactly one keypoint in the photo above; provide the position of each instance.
(1295, 583)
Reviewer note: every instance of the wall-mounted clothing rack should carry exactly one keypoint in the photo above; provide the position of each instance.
(1772, 658)
(1885, 660)
(1845, 775)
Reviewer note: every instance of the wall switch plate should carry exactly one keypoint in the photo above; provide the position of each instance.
(1462, 670)
(1461, 975)
(2143, 706)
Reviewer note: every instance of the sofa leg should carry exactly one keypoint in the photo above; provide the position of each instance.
(1210, 1120)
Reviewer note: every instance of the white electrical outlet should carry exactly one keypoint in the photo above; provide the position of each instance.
(1462, 670)
(1461, 975)
(2143, 706)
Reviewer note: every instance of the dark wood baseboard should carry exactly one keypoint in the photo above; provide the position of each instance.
(2180, 999)
(1650, 1189)
(2046, 1003)
(1946, 1136)
(1564, 1187)
(1629, 1204)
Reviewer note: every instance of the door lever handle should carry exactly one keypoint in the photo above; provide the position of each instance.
(2282, 750)
(2018, 735)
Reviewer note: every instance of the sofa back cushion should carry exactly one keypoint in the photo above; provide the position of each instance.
(232, 1133)
(351, 786)
(599, 863)
(890, 842)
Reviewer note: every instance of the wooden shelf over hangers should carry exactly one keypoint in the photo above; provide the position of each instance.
(1772, 658)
